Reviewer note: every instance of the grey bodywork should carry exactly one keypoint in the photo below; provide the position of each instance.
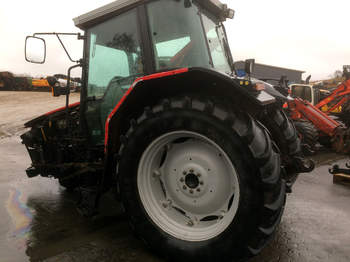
(88, 19)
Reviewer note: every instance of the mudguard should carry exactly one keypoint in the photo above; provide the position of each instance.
(147, 90)
(39, 119)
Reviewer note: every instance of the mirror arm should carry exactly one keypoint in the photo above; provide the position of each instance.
(64, 48)
(80, 37)
(80, 64)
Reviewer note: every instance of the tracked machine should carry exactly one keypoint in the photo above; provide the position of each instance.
(200, 158)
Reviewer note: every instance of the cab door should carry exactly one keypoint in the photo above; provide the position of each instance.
(114, 58)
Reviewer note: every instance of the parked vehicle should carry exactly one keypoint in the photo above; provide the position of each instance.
(315, 126)
(201, 159)
(325, 100)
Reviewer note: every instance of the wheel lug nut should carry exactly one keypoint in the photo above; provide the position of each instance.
(198, 190)
(184, 172)
(182, 179)
(191, 191)
(191, 170)
(202, 183)
(184, 187)
(199, 175)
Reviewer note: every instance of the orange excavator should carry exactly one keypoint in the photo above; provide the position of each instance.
(332, 130)
(334, 103)
(315, 126)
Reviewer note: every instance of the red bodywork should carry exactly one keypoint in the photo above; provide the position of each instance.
(62, 108)
(301, 109)
(341, 95)
(144, 78)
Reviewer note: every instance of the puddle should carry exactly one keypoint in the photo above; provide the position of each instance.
(21, 217)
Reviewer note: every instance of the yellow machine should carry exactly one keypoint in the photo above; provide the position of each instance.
(40, 83)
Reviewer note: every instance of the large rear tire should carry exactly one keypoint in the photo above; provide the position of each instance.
(200, 182)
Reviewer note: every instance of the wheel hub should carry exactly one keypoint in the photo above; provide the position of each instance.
(192, 181)
(188, 185)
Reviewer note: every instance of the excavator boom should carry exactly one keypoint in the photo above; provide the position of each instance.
(341, 95)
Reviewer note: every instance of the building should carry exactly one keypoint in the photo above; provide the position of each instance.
(262, 71)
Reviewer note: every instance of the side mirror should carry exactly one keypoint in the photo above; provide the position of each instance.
(249, 66)
(35, 50)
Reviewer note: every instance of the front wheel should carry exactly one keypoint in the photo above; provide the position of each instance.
(308, 135)
(200, 182)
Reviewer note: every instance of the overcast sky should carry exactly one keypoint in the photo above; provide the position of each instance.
(310, 35)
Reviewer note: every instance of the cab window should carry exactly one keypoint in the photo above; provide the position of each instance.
(176, 36)
(114, 54)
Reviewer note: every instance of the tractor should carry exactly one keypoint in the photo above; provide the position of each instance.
(201, 159)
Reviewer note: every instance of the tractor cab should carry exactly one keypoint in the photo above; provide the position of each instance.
(127, 40)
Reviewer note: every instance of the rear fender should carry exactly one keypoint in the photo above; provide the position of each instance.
(148, 90)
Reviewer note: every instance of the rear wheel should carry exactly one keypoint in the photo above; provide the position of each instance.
(200, 182)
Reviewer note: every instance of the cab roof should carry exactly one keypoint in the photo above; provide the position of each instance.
(119, 6)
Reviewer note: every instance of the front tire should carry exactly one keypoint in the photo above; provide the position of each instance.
(308, 135)
(188, 144)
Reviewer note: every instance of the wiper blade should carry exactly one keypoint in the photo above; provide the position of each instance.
(226, 47)
(229, 56)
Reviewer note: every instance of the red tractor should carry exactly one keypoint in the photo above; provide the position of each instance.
(201, 159)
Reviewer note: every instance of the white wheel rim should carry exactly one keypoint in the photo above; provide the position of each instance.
(188, 186)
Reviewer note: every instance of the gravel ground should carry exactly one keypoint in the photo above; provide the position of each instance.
(18, 107)
(39, 221)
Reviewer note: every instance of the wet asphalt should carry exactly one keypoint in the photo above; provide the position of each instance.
(39, 221)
